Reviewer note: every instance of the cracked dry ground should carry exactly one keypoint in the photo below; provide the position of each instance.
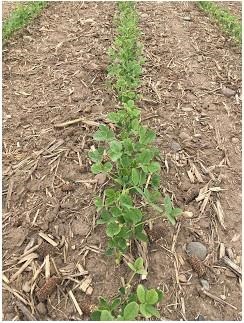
(55, 71)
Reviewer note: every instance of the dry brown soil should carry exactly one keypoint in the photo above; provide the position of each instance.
(55, 71)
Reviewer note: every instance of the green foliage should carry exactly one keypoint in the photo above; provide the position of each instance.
(127, 156)
(21, 16)
(170, 211)
(228, 22)
(129, 305)
(126, 54)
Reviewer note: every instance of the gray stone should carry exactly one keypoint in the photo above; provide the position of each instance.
(205, 284)
(175, 146)
(41, 308)
(228, 92)
(196, 249)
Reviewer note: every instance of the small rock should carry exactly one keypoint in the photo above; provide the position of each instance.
(235, 140)
(15, 238)
(228, 92)
(205, 284)
(76, 98)
(223, 297)
(41, 308)
(68, 187)
(187, 18)
(80, 228)
(182, 278)
(187, 214)
(100, 178)
(175, 146)
(199, 58)
(184, 136)
(196, 249)
(26, 287)
(88, 109)
(200, 317)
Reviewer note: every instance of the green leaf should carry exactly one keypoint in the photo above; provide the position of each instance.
(132, 267)
(146, 135)
(115, 150)
(104, 218)
(144, 312)
(135, 176)
(141, 236)
(113, 229)
(141, 294)
(98, 203)
(154, 167)
(96, 155)
(131, 311)
(103, 134)
(101, 168)
(115, 303)
(160, 294)
(125, 200)
(155, 181)
(97, 168)
(107, 167)
(95, 316)
(145, 156)
(176, 212)
(133, 215)
(167, 204)
(152, 310)
(111, 196)
(138, 264)
(106, 316)
(151, 296)
(103, 303)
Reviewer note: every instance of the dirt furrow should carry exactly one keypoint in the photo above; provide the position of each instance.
(198, 127)
(54, 71)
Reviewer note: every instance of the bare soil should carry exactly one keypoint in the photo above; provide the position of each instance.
(55, 71)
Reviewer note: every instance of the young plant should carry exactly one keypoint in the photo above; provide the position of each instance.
(21, 16)
(126, 156)
(129, 305)
(228, 22)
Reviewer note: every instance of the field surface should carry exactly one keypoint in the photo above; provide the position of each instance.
(54, 71)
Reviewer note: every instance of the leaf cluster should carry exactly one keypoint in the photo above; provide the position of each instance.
(21, 16)
(126, 54)
(129, 305)
(127, 156)
(227, 21)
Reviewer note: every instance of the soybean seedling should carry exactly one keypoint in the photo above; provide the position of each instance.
(129, 305)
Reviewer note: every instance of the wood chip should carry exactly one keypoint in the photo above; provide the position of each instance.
(21, 269)
(85, 283)
(231, 265)
(75, 303)
(220, 213)
(221, 250)
(196, 173)
(205, 202)
(48, 239)
(47, 267)
(217, 299)
(28, 257)
(69, 123)
(25, 311)
(15, 293)
(191, 176)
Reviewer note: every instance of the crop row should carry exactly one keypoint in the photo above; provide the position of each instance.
(127, 157)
